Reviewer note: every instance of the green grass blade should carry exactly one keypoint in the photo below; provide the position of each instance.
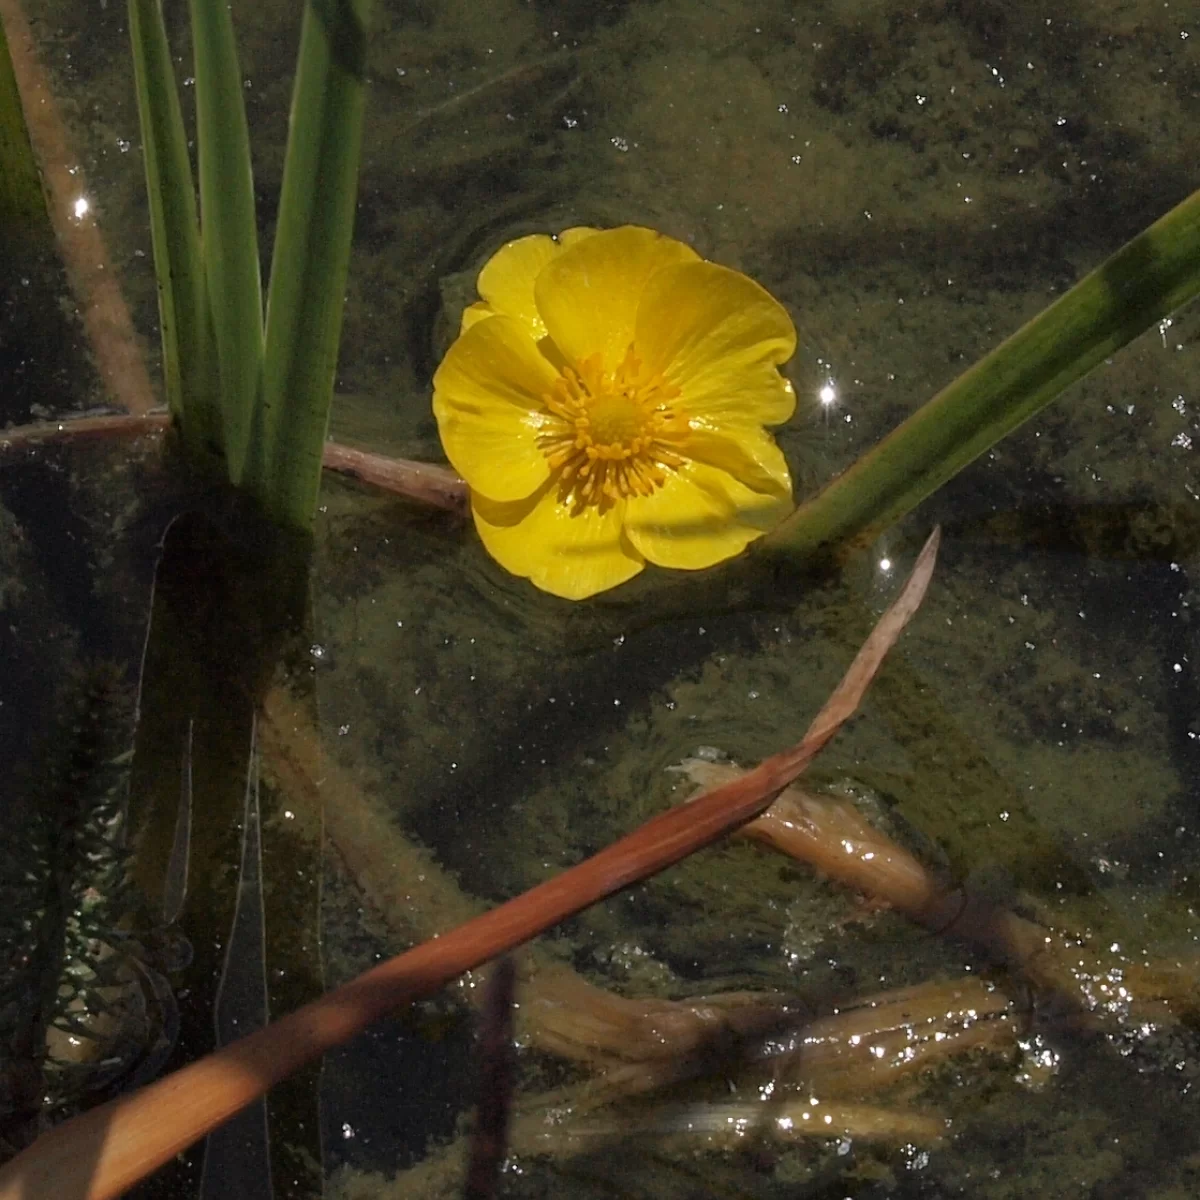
(230, 234)
(1142, 283)
(309, 262)
(188, 364)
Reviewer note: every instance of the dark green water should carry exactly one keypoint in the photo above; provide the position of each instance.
(912, 183)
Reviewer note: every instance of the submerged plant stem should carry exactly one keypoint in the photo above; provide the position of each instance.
(865, 1047)
(106, 319)
(426, 483)
(830, 834)
(72, 428)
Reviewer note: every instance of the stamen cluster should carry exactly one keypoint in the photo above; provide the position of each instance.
(609, 433)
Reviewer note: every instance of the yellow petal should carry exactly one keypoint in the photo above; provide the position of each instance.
(588, 295)
(569, 556)
(474, 313)
(506, 281)
(699, 517)
(487, 398)
(747, 452)
(718, 337)
(576, 233)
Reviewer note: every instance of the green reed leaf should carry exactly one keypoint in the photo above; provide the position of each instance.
(189, 364)
(229, 229)
(310, 259)
(1145, 281)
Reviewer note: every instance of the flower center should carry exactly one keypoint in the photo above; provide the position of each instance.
(609, 432)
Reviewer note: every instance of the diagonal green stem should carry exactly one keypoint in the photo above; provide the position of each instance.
(1142, 283)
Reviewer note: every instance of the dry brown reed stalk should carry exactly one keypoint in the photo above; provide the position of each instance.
(639, 1044)
(101, 1153)
(567, 1016)
(428, 483)
(876, 1041)
(1103, 987)
(729, 1124)
(822, 1066)
(863, 1046)
(151, 424)
(497, 1078)
(561, 1013)
(705, 1125)
(106, 320)
(830, 834)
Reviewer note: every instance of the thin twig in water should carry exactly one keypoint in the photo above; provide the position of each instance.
(497, 1072)
(427, 483)
(71, 428)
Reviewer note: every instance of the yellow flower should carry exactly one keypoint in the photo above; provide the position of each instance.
(605, 402)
